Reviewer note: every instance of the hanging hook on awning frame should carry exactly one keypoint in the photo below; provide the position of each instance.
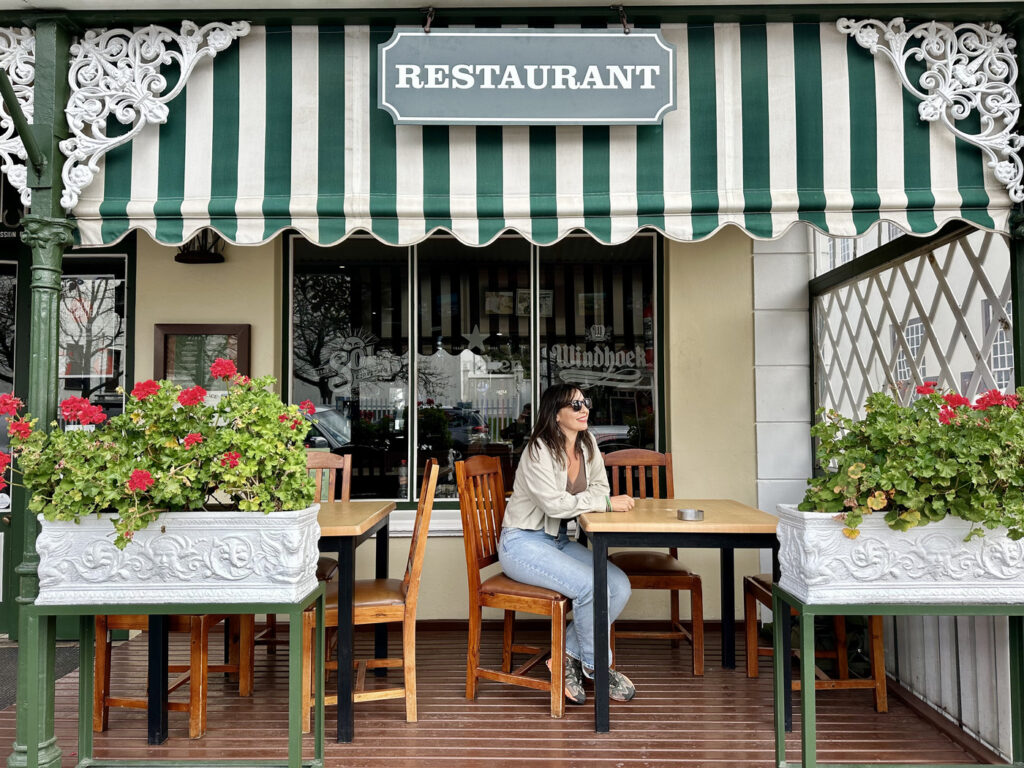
(622, 18)
(430, 19)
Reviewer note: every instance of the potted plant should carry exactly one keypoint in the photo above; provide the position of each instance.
(179, 495)
(917, 503)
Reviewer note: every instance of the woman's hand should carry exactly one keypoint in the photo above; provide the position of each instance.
(622, 503)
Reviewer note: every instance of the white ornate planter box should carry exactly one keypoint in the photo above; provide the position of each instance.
(208, 557)
(929, 564)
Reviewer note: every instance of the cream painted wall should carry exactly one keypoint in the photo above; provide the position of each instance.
(246, 288)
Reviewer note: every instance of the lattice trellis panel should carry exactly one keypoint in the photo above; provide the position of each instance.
(942, 317)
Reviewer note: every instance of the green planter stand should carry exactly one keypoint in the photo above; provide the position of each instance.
(87, 641)
(783, 600)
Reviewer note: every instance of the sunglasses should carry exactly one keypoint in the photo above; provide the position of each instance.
(579, 404)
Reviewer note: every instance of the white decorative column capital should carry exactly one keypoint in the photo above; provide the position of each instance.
(969, 69)
(18, 59)
(121, 72)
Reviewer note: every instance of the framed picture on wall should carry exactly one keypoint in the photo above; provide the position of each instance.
(498, 302)
(183, 353)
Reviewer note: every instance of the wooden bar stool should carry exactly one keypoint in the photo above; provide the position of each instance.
(758, 589)
(196, 672)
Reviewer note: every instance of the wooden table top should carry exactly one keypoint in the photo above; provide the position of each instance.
(659, 515)
(351, 518)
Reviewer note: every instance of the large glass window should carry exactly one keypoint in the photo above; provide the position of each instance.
(470, 384)
(473, 352)
(597, 307)
(350, 343)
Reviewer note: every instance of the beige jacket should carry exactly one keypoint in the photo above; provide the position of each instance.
(539, 499)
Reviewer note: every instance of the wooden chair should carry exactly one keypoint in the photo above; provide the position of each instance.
(329, 465)
(380, 601)
(482, 503)
(241, 662)
(321, 465)
(656, 570)
(758, 589)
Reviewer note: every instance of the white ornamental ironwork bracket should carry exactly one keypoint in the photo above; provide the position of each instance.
(969, 68)
(118, 72)
(18, 59)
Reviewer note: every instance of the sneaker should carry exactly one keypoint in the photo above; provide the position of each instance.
(574, 692)
(620, 687)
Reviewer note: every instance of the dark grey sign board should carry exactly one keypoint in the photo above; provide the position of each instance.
(526, 77)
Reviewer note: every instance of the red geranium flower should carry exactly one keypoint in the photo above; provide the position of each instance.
(72, 407)
(954, 399)
(295, 423)
(9, 404)
(230, 459)
(192, 438)
(81, 410)
(946, 415)
(5, 462)
(989, 399)
(145, 388)
(307, 406)
(192, 396)
(140, 480)
(928, 388)
(283, 418)
(1011, 401)
(20, 429)
(223, 369)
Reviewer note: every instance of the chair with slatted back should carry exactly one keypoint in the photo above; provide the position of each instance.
(322, 466)
(482, 503)
(758, 589)
(329, 465)
(379, 601)
(196, 672)
(628, 470)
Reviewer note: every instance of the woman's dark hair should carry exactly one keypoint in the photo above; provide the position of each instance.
(546, 429)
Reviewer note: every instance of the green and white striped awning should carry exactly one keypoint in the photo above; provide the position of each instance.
(776, 124)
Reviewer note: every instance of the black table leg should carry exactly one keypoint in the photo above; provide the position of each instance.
(728, 609)
(346, 590)
(600, 547)
(158, 659)
(380, 631)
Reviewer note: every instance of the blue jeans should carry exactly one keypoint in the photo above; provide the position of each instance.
(534, 557)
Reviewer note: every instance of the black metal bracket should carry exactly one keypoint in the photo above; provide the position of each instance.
(622, 18)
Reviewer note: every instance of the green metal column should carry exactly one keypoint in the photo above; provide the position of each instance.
(48, 232)
(1017, 622)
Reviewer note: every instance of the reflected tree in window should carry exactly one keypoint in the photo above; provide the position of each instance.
(321, 307)
(91, 334)
(8, 307)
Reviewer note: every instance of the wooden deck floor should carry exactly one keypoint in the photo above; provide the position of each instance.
(722, 720)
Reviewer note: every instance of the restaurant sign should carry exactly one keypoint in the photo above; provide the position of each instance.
(526, 77)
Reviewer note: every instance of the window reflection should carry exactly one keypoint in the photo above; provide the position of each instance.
(599, 334)
(350, 331)
(473, 364)
(92, 356)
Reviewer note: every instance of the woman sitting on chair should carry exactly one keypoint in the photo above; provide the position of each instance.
(560, 476)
